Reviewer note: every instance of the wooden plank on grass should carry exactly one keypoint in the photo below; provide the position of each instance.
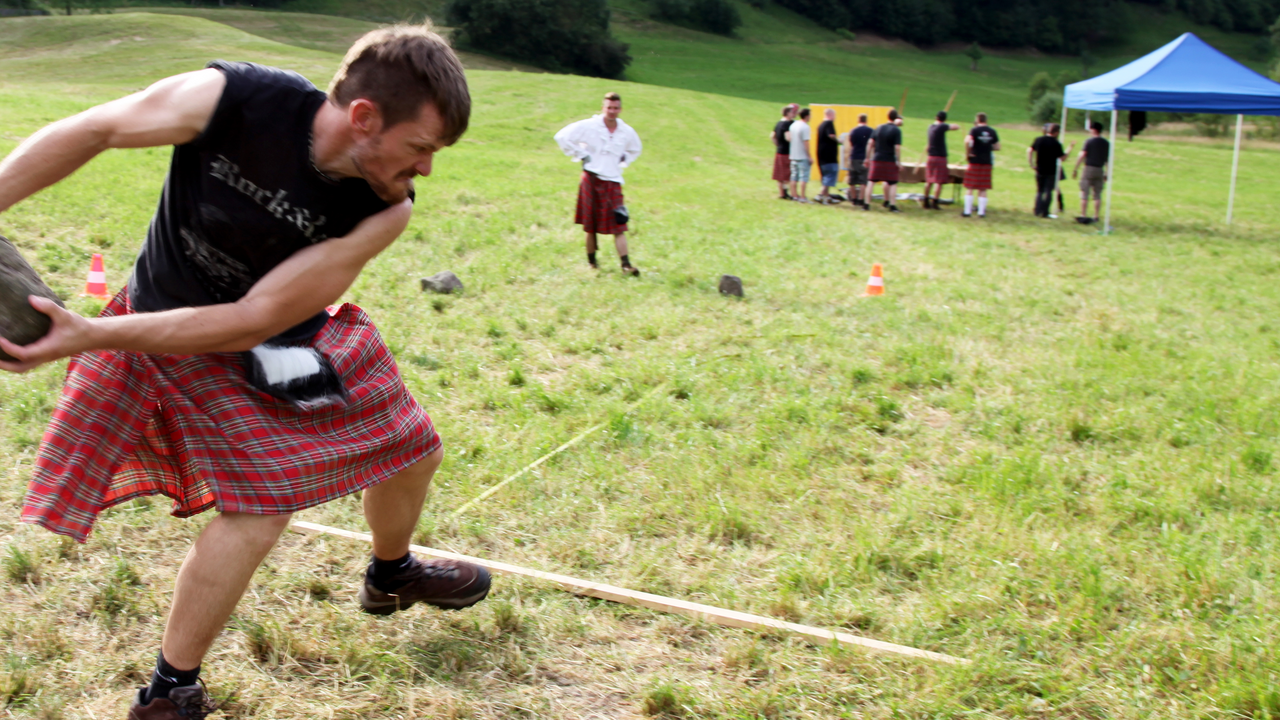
(719, 616)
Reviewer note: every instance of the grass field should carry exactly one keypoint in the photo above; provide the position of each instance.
(1045, 450)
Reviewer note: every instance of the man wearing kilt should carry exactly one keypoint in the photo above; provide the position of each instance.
(981, 141)
(782, 158)
(936, 173)
(223, 376)
(605, 146)
(884, 153)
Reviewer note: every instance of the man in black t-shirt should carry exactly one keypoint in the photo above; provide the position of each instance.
(855, 162)
(1045, 156)
(828, 155)
(782, 146)
(885, 153)
(1096, 156)
(936, 173)
(979, 145)
(194, 381)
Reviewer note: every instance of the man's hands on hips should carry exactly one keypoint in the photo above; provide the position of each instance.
(69, 334)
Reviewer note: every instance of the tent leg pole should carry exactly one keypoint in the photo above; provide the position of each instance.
(1111, 172)
(1235, 165)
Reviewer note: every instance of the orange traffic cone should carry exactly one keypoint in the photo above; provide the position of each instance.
(875, 283)
(96, 285)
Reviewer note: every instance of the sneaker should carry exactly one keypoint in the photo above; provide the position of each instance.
(886, 203)
(894, 208)
(189, 702)
(447, 584)
(630, 271)
(785, 196)
(966, 214)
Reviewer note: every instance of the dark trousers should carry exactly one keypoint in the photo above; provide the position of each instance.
(1044, 193)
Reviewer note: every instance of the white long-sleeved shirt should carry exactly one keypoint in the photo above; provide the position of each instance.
(609, 152)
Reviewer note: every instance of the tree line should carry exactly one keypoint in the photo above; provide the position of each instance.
(1048, 25)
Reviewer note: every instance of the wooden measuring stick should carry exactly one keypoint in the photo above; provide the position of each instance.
(719, 616)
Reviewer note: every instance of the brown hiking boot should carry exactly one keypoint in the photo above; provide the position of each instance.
(189, 702)
(447, 584)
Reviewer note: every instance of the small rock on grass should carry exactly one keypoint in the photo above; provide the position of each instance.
(442, 282)
(731, 285)
(19, 322)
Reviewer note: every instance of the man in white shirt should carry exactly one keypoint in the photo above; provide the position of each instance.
(605, 145)
(801, 161)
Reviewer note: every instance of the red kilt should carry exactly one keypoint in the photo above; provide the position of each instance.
(596, 201)
(782, 167)
(191, 428)
(977, 177)
(935, 171)
(883, 171)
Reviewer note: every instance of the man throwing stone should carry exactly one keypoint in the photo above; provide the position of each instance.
(221, 376)
(606, 146)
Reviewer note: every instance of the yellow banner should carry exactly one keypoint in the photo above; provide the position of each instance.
(846, 120)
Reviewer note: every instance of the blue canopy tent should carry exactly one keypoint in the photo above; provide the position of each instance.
(1187, 75)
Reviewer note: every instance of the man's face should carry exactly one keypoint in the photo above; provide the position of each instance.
(611, 109)
(389, 160)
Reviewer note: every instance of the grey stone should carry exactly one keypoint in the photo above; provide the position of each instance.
(20, 323)
(731, 285)
(442, 282)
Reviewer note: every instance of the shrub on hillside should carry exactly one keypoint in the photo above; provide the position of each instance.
(713, 16)
(561, 35)
(1047, 108)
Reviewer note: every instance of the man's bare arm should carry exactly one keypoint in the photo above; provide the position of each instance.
(170, 112)
(295, 290)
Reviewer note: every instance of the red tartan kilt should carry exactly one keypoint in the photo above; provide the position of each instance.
(977, 177)
(782, 167)
(596, 201)
(935, 171)
(883, 171)
(191, 428)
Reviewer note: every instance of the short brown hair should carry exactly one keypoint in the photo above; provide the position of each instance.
(982, 117)
(893, 115)
(400, 69)
(611, 96)
(862, 117)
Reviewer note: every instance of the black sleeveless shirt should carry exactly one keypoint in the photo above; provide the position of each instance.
(244, 196)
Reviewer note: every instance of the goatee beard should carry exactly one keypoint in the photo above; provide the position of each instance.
(390, 194)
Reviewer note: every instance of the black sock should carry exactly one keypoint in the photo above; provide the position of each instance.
(626, 261)
(382, 572)
(591, 258)
(167, 677)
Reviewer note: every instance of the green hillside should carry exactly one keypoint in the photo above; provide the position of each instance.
(1046, 450)
(781, 57)
(778, 56)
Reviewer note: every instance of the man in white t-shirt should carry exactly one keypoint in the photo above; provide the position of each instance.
(605, 145)
(801, 161)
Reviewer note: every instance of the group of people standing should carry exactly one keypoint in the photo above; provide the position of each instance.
(873, 156)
